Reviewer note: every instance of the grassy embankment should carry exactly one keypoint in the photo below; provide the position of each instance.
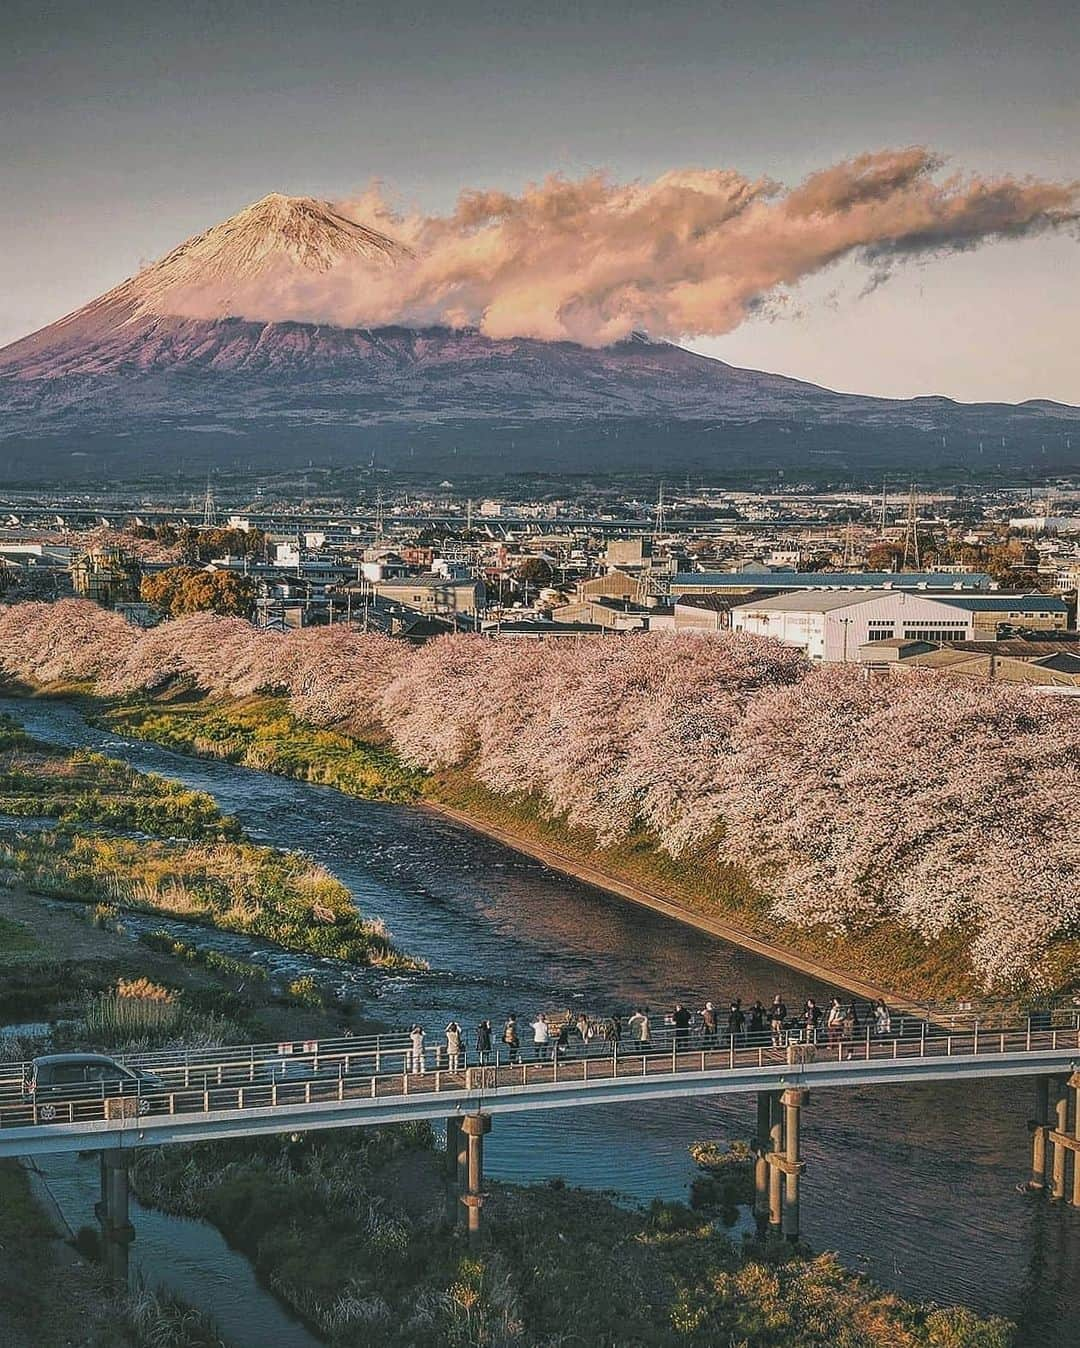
(196, 864)
(350, 1229)
(261, 732)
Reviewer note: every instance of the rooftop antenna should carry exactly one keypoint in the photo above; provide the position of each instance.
(911, 533)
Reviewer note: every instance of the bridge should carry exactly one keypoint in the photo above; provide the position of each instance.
(251, 1090)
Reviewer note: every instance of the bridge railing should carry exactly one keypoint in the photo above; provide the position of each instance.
(390, 1048)
(387, 1052)
(340, 1070)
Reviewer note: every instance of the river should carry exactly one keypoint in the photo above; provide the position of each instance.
(915, 1186)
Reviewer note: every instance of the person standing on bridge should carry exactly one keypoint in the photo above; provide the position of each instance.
(541, 1037)
(416, 1039)
(511, 1039)
(882, 1020)
(709, 1024)
(757, 1023)
(483, 1042)
(811, 1021)
(642, 1028)
(834, 1021)
(680, 1018)
(736, 1021)
(453, 1046)
(777, 1019)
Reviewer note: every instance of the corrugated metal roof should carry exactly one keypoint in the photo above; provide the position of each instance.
(824, 601)
(1010, 603)
(851, 580)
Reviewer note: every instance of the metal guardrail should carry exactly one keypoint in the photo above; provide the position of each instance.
(338, 1070)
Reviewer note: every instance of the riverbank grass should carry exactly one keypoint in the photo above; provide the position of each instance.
(42, 781)
(240, 887)
(261, 732)
(349, 1228)
(192, 862)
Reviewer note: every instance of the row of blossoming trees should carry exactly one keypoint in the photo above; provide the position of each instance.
(937, 802)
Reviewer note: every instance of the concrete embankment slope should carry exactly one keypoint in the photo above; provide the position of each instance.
(679, 912)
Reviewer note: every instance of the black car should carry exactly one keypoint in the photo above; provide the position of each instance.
(79, 1080)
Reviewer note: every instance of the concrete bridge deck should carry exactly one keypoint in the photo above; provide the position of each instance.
(250, 1090)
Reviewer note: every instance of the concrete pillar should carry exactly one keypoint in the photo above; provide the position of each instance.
(792, 1099)
(776, 1147)
(474, 1127)
(1074, 1082)
(453, 1126)
(114, 1214)
(1061, 1124)
(761, 1162)
(450, 1167)
(461, 1166)
(1040, 1126)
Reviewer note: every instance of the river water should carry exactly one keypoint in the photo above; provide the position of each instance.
(915, 1186)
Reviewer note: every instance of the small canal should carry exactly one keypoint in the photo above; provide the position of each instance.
(916, 1186)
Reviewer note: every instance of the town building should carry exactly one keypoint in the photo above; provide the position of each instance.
(991, 613)
(433, 593)
(832, 625)
(106, 575)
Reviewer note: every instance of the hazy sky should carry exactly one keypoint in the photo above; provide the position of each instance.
(125, 127)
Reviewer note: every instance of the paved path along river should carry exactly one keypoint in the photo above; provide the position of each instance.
(898, 1181)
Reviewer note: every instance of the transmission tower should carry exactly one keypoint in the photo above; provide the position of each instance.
(849, 546)
(911, 534)
(659, 519)
(208, 506)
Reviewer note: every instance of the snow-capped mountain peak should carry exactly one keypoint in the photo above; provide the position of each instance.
(275, 243)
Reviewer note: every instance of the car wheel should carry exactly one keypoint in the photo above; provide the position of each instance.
(47, 1112)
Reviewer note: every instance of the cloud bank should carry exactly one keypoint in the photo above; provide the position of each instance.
(692, 253)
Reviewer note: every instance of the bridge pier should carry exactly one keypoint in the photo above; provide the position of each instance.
(1040, 1129)
(793, 1100)
(1074, 1082)
(778, 1161)
(1059, 1139)
(450, 1167)
(761, 1161)
(776, 1147)
(473, 1128)
(113, 1214)
(461, 1167)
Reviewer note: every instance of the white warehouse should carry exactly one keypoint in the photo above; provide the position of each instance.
(831, 625)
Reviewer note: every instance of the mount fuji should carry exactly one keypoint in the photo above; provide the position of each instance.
(175, 368)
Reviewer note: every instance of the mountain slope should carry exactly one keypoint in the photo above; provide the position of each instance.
(163, 362)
